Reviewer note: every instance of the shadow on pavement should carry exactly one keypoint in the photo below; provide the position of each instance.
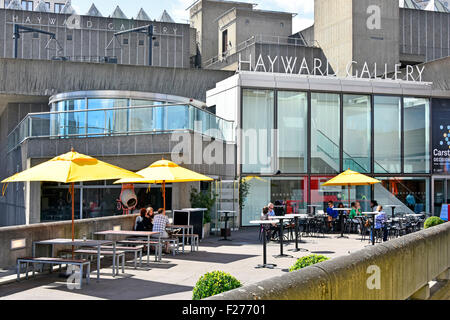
(127, 288)
(214, 257)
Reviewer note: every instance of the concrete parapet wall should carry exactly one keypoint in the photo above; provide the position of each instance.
(53, 230)
(404, 266)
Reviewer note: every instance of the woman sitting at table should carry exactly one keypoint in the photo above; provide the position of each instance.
(380, 223)
(139, 224)
(356, 211)
(148, 221)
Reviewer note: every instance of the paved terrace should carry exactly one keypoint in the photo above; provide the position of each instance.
(175, 277)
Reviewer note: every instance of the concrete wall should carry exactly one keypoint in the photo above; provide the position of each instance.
(41, 79)
(425, 34)
(333, 30)
(406, 265)
(93, 37)
(203, 18)
(378, 46)
(285, 50)
(54, 230)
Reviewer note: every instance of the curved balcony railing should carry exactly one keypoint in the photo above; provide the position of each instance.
(121, 121)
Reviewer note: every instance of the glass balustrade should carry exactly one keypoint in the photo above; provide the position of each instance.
(120, 121)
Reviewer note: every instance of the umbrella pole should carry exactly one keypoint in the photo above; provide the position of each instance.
(73, 217)
(349, 205)
(164, 197)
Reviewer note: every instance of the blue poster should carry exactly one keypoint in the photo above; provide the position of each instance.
(444, 212)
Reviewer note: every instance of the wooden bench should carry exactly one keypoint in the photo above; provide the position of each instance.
(135, 250)
(52, 261)
(119, 254)
(194, 239)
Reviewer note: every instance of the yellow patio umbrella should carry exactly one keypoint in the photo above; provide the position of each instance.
(164, 171)
(248, 178)
(70, 168)
(351, 178)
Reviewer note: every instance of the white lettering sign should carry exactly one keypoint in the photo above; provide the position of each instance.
(318, 67)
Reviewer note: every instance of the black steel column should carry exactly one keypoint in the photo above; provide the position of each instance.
(150, 45)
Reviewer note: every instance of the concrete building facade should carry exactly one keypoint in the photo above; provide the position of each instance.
(92, 39)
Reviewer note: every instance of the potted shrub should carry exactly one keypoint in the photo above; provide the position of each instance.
(203, 200)
(306, 261)
(213, 283)
(433, 221)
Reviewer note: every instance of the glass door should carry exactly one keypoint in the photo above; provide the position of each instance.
(440, 194)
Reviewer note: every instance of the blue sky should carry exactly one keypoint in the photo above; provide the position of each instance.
(176, 8)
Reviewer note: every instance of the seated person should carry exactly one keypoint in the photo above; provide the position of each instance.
(139, 223)
(332, 214)
(159, 225)
(148, 222)
(380, 223)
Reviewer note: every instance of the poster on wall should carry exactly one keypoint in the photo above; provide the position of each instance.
(441, 136)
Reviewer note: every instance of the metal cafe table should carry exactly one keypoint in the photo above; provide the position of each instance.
(186, 229)
(80, 243)
(226, 212)
(281, 234)
(296, 216)
(262, 223)
(373, 214)
(341, 218)
(147, 234)
(314, 206)
(392, 206)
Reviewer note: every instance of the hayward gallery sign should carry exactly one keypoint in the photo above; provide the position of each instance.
(293, 65)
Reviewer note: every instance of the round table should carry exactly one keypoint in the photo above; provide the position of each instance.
(281, 218)
(373, 214)
(265, 264)
(341, 210)
(392, 206)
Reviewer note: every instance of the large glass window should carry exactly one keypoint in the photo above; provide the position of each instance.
(287, 194)
(292, 131)
(68, 123)
(107, 121)
(142, 119)
(257, 125)
(325, 133)
(409, 194)
(416, 135)
(320, 195)
(387, 134)
(258, 197)
(357, 132)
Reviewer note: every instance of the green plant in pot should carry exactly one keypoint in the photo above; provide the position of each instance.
(306, 261)
(433, 221)
(213, 283)
(205, 199)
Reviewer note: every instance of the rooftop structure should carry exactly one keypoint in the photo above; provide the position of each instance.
(94, 12)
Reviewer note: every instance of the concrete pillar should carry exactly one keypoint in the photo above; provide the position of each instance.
(422, 294)
(32, 200)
